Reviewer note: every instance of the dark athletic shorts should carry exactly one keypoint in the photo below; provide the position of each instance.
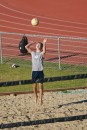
(37, 76)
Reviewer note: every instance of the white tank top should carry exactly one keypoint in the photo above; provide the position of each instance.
(37, 61)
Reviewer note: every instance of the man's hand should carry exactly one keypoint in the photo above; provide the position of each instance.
(45, 40)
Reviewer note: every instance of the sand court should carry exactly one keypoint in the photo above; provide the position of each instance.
(57, 108)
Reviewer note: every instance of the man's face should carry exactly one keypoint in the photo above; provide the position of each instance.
(38, 46)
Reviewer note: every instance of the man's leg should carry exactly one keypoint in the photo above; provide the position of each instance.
(41, 92)
(35, 91)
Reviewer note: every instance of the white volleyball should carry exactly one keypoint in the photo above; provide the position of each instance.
(34, 21)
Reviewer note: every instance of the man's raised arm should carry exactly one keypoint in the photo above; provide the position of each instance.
(44, 45)
(28, 47)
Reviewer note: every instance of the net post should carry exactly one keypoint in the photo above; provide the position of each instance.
(59, 59)
(1, 48)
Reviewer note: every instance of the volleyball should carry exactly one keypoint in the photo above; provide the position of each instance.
(34, 21)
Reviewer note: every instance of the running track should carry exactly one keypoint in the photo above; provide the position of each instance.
(57, 18)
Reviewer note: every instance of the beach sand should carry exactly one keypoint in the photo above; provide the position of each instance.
(21, 109)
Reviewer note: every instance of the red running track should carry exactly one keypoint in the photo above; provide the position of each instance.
(57, 18)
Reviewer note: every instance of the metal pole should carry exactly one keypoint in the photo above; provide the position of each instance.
(59, 59)
(1, 48)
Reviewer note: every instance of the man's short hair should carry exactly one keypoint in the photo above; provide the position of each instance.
(41, 45)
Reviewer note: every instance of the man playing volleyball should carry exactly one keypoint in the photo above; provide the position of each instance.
(37, 66)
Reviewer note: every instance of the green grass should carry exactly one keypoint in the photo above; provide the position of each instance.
(50, 70)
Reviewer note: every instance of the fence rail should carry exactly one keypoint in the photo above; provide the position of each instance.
(61, 49)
